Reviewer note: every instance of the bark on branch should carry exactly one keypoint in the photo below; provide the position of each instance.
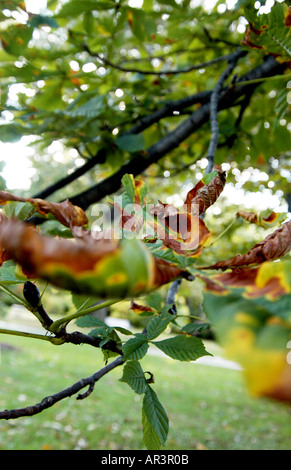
(50, 400)
(228, 98)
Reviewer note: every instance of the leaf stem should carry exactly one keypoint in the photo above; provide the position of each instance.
(51, 339)
(222, 233)
(14, 296)
(80, 313)
(193, 317)
(263, 79)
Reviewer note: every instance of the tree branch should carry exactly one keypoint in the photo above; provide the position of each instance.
(140, 162)
(100, 157)
(171, 295)
(119, 67)
(144, 123)
(214, 101)
(49, 401)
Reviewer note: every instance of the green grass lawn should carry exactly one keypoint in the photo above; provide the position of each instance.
(208, 407)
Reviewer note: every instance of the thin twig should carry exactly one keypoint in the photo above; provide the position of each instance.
(88, 392)
(49, 401)
(138, 163)
(56, 325)
(108, 62)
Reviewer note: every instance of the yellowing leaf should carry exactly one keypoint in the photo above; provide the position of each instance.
(104, 268)
(267, 221)
(65, 212)
(251, 312)
(275, 246)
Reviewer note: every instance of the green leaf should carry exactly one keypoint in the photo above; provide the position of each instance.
(43, 20)
(155, 420)
(282, 105)
(101, 331)
(88, 321)
(150, 436)
(7, 275)
(129, 186)
(135, 348)
(122, 330)
(195, 327)
(143, 25)
(20, 210)
(269, 32)
(158, 324)
(154, 300)
(133, 375)
(50, 97)
(2, 183)
(10, 133)
(182, 348)
(91, 109)
(209, 177)
(76, 7)
(24, 210)
(16, 38)
(131, 142)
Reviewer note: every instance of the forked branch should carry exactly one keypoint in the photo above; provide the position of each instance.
(51, 400)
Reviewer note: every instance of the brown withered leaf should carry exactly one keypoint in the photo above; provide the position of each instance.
(268, 221)
(206, 195)
(30, 249)
(141, 309)
(251, 217)
(95, 267)
(254, 280)
(275, 245)
(3, 253)
(65, 212)
(180, 231)
(164, 272)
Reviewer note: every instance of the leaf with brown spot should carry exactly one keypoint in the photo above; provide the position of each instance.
(267, 221)
(269, 279)
(179, 230)
(65, 212)
(270, 32)
(288, 18)
(275, 245)
(141, 310)
(104, 268)
(252, 320)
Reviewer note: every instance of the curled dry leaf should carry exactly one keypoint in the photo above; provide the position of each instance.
(180, 231)
(204, 195)
(103, 268)
(269, 279)
(65, 212)
(275, 245)
(266, 222)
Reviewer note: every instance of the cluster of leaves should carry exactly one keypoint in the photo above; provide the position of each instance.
(270, 32)
(61, 100)
(244, 304)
